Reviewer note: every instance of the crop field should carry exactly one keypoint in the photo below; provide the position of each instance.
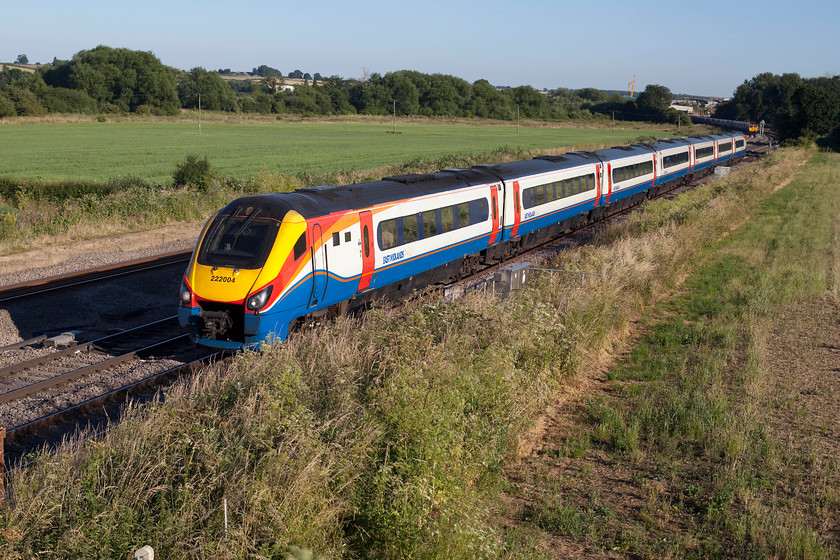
(95, 151)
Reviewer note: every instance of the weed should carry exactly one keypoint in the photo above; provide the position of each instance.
(193, 171)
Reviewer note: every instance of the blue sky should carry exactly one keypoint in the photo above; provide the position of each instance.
(702, 48)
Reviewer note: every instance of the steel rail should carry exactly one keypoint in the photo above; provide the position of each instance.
(100, 400)
(65, 378)
(83, 347)
(71, 279)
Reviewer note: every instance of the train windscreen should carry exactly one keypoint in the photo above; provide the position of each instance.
(239, 238)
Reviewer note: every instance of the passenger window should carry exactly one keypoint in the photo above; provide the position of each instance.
(447, 219)
(429, 224)
(410, 231)
(463, 211)
(388, 234)
(336, 239)
(300, 246)
(347, 237)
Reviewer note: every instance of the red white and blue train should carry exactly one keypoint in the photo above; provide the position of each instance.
(264, 263)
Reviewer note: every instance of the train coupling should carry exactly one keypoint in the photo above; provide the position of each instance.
(216, 323)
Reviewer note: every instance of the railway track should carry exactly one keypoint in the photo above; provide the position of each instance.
(98, 274)
(50, 385)
(62, 367)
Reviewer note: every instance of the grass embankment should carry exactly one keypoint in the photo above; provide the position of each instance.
(700, 443)
(387, 436)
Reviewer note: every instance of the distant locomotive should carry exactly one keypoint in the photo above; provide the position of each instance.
(743, 126)
(266, 262)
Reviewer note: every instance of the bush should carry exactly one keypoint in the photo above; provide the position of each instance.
(19, 191)
(64, 100)
(7, 108)
(26, 104)
(193, 172)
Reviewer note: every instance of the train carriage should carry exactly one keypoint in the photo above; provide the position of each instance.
(630, 173)
(543, 197)
(704, 150)
(674, 160)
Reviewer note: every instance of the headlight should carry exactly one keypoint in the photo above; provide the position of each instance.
(186, 294)
(258, 300)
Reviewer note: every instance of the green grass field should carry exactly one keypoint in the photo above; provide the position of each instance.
(151, 150)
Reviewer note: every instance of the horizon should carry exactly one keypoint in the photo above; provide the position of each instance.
(562, 45)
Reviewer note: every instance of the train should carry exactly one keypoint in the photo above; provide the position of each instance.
(267, 263)
(743, 126)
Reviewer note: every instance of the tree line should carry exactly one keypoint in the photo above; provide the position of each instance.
(795, 107)
(115, 80)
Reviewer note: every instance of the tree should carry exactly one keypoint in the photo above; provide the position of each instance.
(652, 104)
(26, 104)
(403, 92)
(592, 94)
(813, 113)
(762, 98)
(338, 91)
(532, 104)
(216, 95)
(490, 103)
(271, 85)
(267, 72)
(22, 59)
(119, 79)
(7, 107)
(654, 99)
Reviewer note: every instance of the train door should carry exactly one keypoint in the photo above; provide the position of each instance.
(319, 266)
(494, 212)
(609, 181)
(597, 184)
(517, 202)
(368, 258)
(655, 163)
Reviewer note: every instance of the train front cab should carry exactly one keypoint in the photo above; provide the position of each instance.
(248, 258)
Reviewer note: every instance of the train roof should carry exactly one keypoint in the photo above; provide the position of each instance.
(325, 199)
(542, 164)
(621, 152)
